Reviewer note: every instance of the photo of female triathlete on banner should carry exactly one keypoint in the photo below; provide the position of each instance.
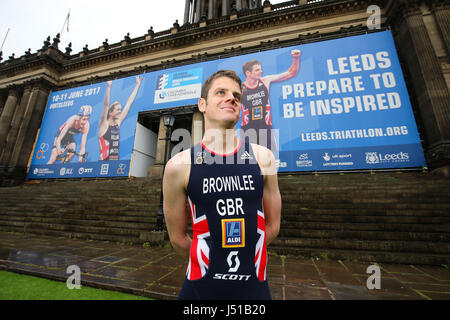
(64, 141)
(110, 121)
(255, 104)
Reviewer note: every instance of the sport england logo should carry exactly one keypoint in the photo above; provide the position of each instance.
(233, 233)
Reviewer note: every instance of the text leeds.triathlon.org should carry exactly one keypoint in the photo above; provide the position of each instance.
(355, 134)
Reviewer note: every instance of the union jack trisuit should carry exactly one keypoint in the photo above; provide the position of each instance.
(256, 114)
(228, 255)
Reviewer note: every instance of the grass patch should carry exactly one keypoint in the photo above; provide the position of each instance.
(15, 286)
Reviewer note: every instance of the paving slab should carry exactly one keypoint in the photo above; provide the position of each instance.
(158, 272)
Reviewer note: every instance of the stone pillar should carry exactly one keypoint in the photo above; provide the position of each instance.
(203, 8)
(187, 10)
(7, 114)
(197, 127)
(211, 9)
(14, 126)
(3, 97)
(30, 125)
(428, 84)
(442, 14)
(225, 5)
(238, 5)
(156, 169)
(197, 11)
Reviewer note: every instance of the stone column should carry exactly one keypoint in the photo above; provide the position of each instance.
(197, 11)
(197, 127)
(14, 126)
(203, 8)
(225, 5)
(442, 14)
(30, 125)
(187, 10)
(428, 84)
(3, 97)
(211, 9)
(156, 169)
(7, 114)
(238, 5)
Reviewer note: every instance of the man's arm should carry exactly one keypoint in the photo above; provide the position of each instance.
(271, 193)
(292, 71)
(174, 191)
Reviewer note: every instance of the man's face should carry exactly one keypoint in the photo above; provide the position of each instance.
(222, 103)
(256, 72)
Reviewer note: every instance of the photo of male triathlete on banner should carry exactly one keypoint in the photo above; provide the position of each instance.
(110, 121)
(255, 104)
(64, 145)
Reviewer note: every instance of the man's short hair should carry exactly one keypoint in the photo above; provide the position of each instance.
(218, 74)
(248, 66)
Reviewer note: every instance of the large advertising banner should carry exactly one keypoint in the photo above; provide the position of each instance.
(88, 131)
(334, 105)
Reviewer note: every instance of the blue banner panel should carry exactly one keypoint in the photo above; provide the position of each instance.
(340, 104)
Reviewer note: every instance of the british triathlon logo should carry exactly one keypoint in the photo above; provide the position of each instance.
(233, 233)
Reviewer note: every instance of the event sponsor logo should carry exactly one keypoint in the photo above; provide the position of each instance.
(303, 161)
(180, 85)
(42, 171)
(233, 233)
(246, 156)
(121, 169)
(65, 171)
(337, 160)
(104, 169)
(40, 154)
(85, 170)
(372, 158)
(376, 158)
(233, 263)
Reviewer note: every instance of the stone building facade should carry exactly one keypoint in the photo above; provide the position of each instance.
(214, 29)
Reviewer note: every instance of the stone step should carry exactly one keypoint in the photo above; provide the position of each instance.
(349, 204)
(128, 216)
(365, 235)
(378, 227)
(369, 257)
(367, 219)
(288, 211)
(106, 223)
(367, 245)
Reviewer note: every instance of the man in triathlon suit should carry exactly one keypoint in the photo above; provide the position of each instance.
(256, 113)
(110, 121)
(64, 138)
(232, 191)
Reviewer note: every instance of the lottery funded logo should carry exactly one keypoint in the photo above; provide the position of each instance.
(233, 233)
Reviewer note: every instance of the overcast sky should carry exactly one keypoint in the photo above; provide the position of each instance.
(91, 21)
